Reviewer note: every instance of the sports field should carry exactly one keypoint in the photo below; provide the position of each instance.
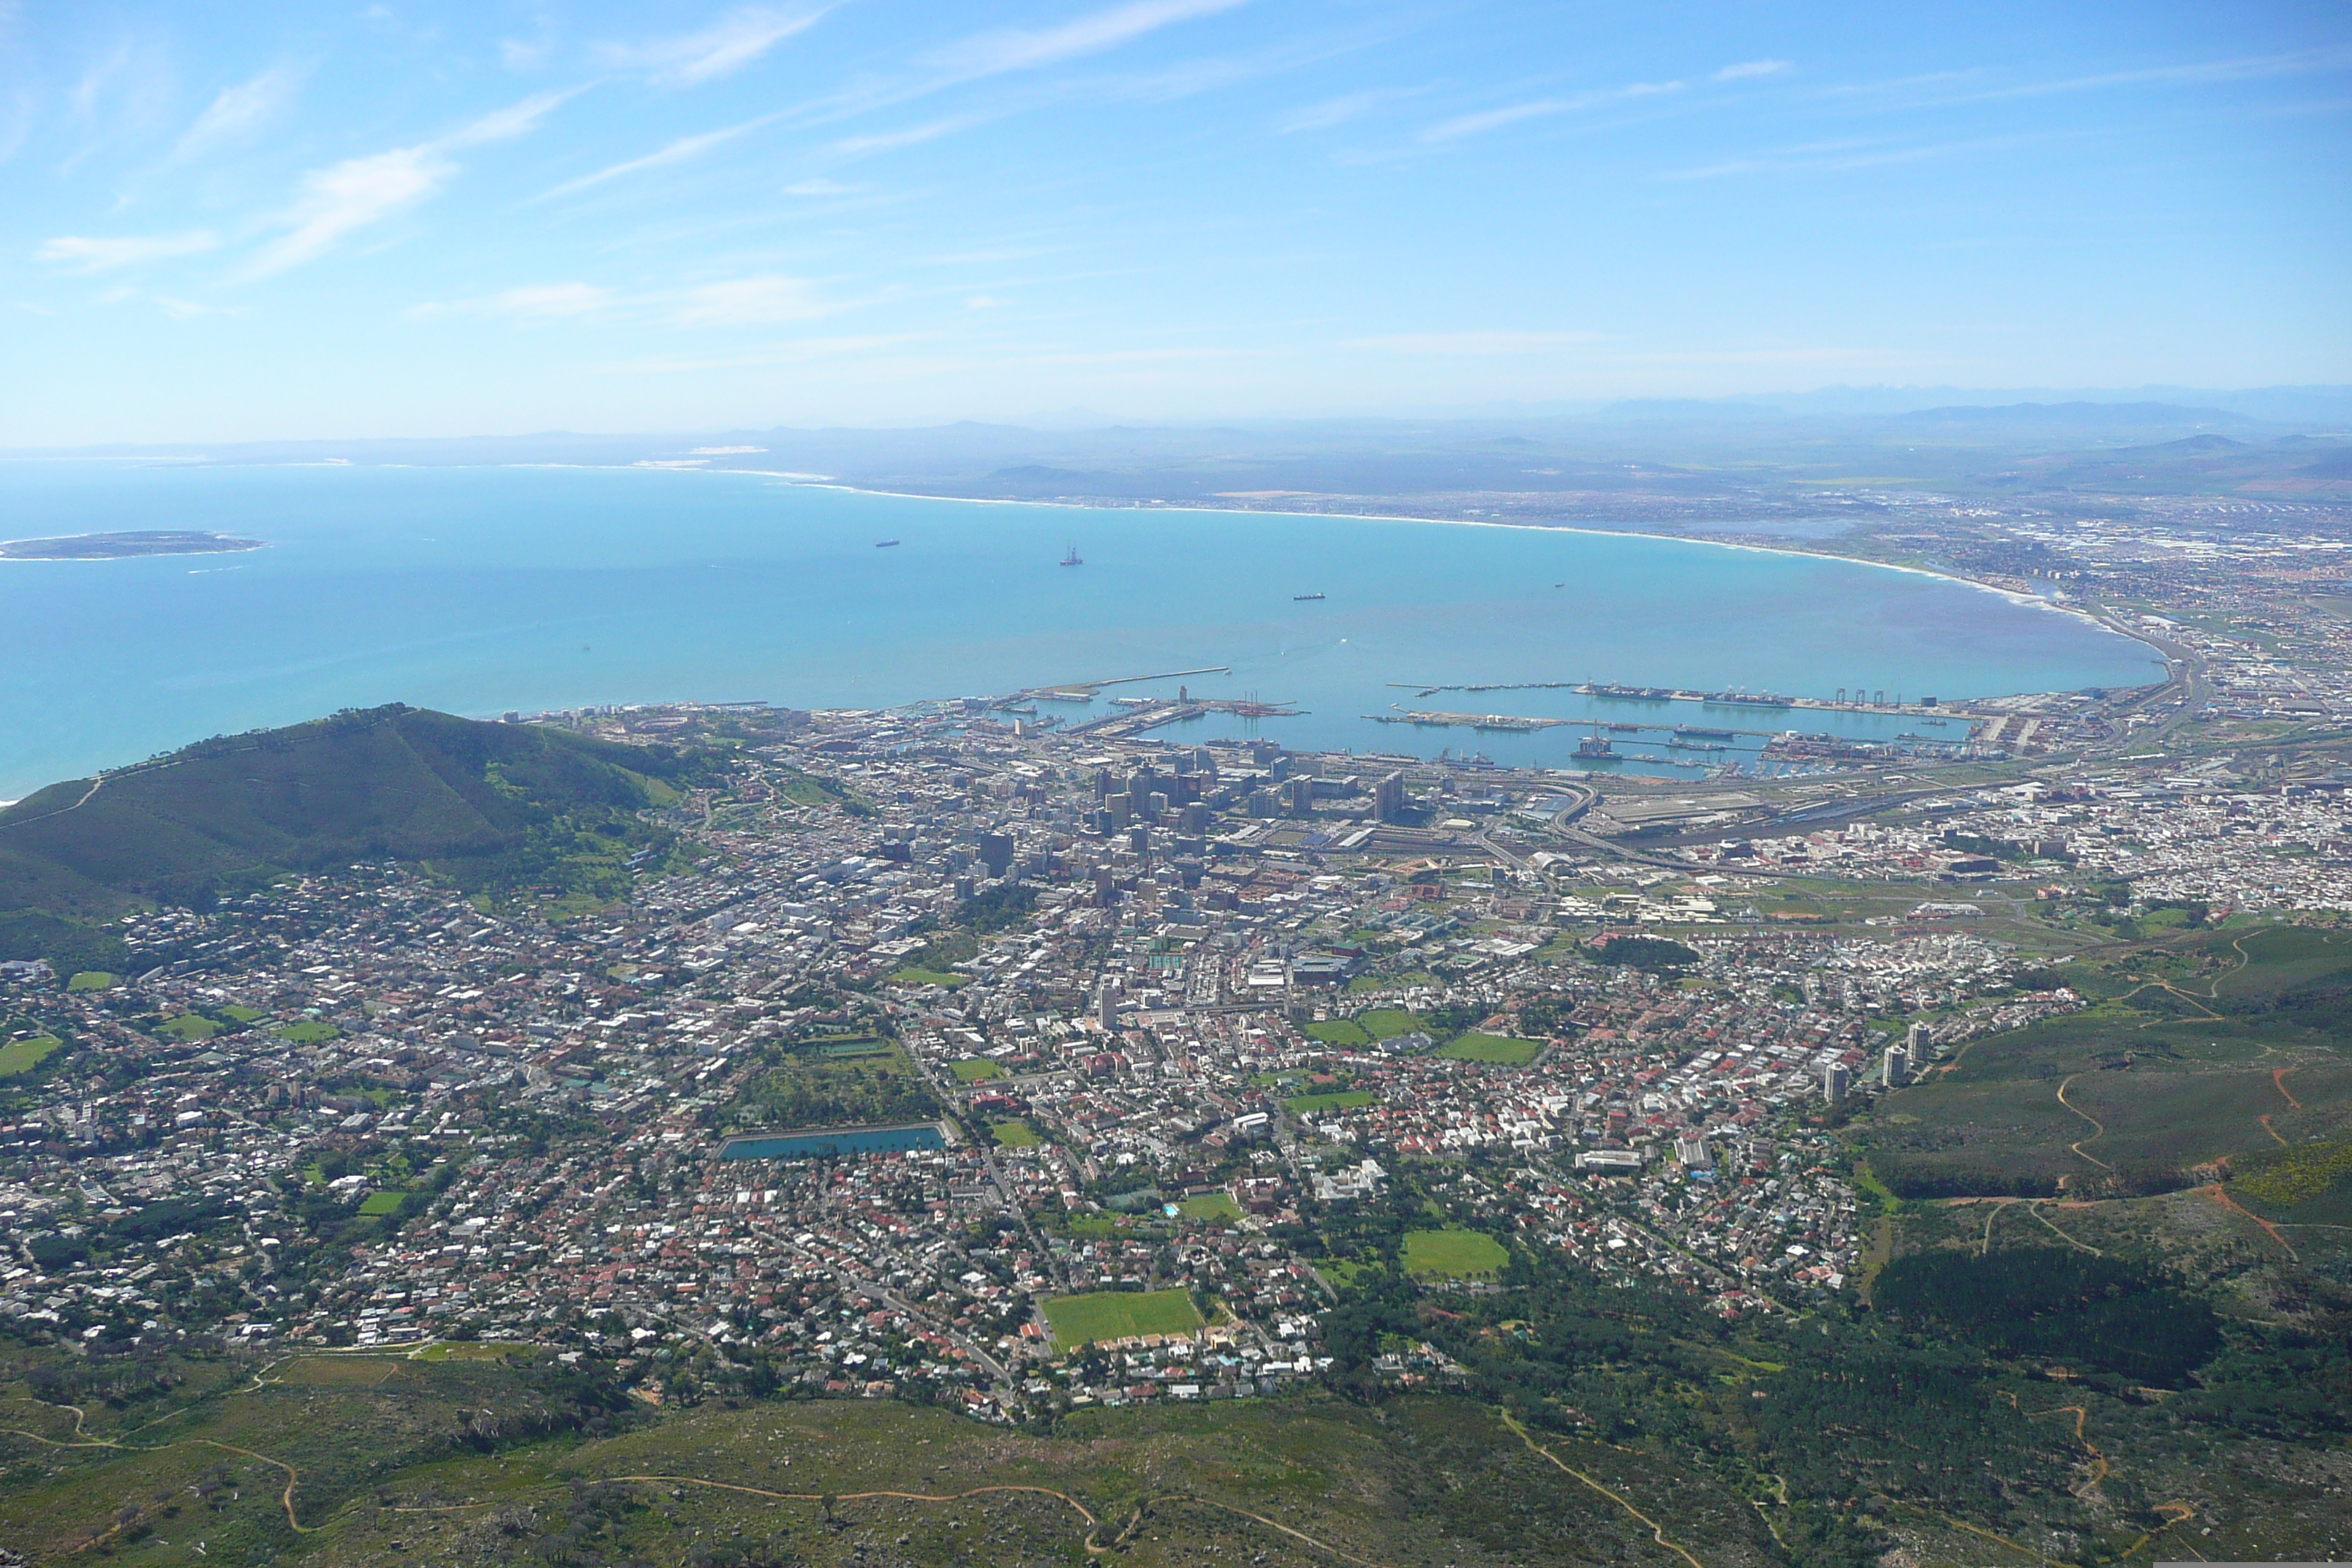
(24, 1055)
(1386, 1022)
(1345, 1099)
(1452, 1254)
(1501, 1049)
(1105, 1315)
(974, 1070)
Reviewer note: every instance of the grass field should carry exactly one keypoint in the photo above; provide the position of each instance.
(189, 1027)
(236, 1013)
(1346, 1099)
(1452, 1254)
(91, 980)
(24, 1055)
(1387, 1023)
(1014, 1135)
(1337, 1032)
(1105, 1315)
(929, 977)
(1211, 1206)
(307, 1031)
(975, 1070)
(381, 1203)
(1501, 1049)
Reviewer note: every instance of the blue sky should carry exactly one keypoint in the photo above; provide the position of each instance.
(258, 220)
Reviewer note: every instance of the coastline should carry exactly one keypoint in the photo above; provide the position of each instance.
(2012, 594)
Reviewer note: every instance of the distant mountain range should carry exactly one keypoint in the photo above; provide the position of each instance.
(1662, 460)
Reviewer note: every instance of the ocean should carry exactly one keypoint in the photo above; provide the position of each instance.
(487, 590)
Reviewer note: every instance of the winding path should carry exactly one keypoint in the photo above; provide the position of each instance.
(1656, 1530)
(2086, 1116)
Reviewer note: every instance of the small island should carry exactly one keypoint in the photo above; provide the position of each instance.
(119, 546)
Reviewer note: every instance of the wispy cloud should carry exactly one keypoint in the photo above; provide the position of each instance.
(554, 299)
(189, 311)
(1003, 49)
(676, 152)
(1837, 156)
(2251, 68)
(88, 254)
(534, 301)
(239, 111)
(350, 196)
(1333, 111)
(359, 192)
(1940, 88)
(727, 46)
(752, 302)
(795, 351)
(1747, 69)
(824, 187)
(515, 120)
(1475, 342)
(913, 135)
(1542, 108)
(763, 300)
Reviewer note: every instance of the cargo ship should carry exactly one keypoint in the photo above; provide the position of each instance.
(886, 544)
(1692, 732)
(1304, 598)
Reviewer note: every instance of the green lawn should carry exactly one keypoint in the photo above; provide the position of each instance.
(236, 1013)
(189, 1026)
(1343, 1100)
(24, 1055)
(975, 1070)
(1014, 1135)
(91, 980)
(1337, 1032)
(1211, 1206)
(1452, 1254)
(1498, 1049)
(1108, 1315)
(1387, 1023)
(381, 1203)
(309, 1031)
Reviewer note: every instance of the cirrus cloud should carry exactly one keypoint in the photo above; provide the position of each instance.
(727, 46)
(86, 253)
(345, 197)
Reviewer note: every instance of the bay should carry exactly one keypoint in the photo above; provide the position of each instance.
(484, 590)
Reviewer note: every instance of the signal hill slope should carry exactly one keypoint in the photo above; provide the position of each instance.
(494, 807)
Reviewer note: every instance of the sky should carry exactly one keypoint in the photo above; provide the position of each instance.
(282, 221)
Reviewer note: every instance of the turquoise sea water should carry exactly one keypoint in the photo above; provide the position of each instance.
(482, 590)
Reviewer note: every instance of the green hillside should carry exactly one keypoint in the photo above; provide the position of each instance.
(502, 808)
